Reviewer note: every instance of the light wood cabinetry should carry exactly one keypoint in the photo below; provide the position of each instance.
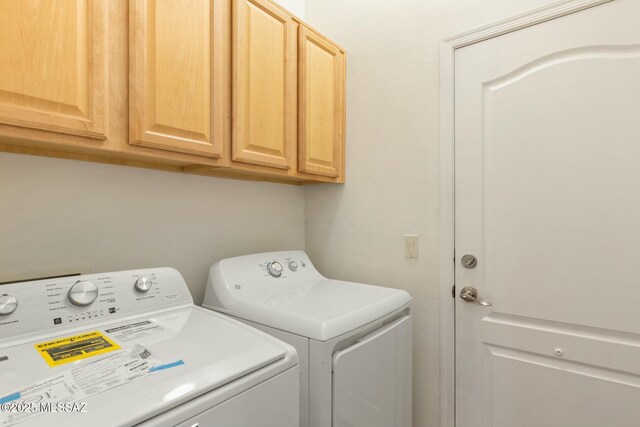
(176, 74)
(231, 88)
(53, 66)
(264, 84)
(321, 104)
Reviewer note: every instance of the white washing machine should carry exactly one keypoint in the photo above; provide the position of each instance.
(354, 341)
(130, 348)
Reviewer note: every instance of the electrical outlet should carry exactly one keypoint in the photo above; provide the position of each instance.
(411, 245)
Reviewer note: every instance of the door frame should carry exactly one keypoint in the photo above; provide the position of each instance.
(448, 47)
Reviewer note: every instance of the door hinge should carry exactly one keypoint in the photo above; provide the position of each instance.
(453, 291)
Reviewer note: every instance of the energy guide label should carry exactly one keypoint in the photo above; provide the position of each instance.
(78, 347)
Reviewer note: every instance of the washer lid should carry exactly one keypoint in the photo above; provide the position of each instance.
(218, 355)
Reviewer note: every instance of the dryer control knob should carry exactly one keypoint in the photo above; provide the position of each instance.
(293, 266)
(143, 284)
(83, 293)
(8, 304)
(275, 269)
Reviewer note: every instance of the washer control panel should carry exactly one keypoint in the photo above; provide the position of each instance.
(36, 306)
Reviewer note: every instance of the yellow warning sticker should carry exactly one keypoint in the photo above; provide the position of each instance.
(69, 349)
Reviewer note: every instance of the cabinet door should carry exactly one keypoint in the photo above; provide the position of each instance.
(53, 65)
(176, 55)
(321, 91)
(264, 84)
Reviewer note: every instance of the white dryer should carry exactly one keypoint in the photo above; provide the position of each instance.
(354, 341)
(130, 348)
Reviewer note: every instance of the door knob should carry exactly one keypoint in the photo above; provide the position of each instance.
(470, 294)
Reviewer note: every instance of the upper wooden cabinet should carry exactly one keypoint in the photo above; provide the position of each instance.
(178, 75)
(53, 66)
(321, 109)
(233, 88)
(264, 84)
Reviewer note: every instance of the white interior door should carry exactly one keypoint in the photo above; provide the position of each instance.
(547, 161)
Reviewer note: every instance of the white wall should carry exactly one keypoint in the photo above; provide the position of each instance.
(297, 7)
(356, 232)
(57, 213)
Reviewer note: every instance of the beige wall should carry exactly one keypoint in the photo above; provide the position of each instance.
(356, 232)
(56, 213)
(297, 7)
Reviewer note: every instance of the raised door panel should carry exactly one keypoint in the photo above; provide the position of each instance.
(53, 66)
(264, 83)
(174, 59)
(321, 105)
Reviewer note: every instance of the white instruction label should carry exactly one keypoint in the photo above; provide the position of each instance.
(96, 376)
(134, 331)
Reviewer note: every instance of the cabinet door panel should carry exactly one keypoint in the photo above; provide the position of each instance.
(264, 79)
(53, 65)
(321, 105)
(172, 67)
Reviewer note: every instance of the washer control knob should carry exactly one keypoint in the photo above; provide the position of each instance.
(8, 304)
(275, 269)
(293, 266)
(83, 293)
(143, 284)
